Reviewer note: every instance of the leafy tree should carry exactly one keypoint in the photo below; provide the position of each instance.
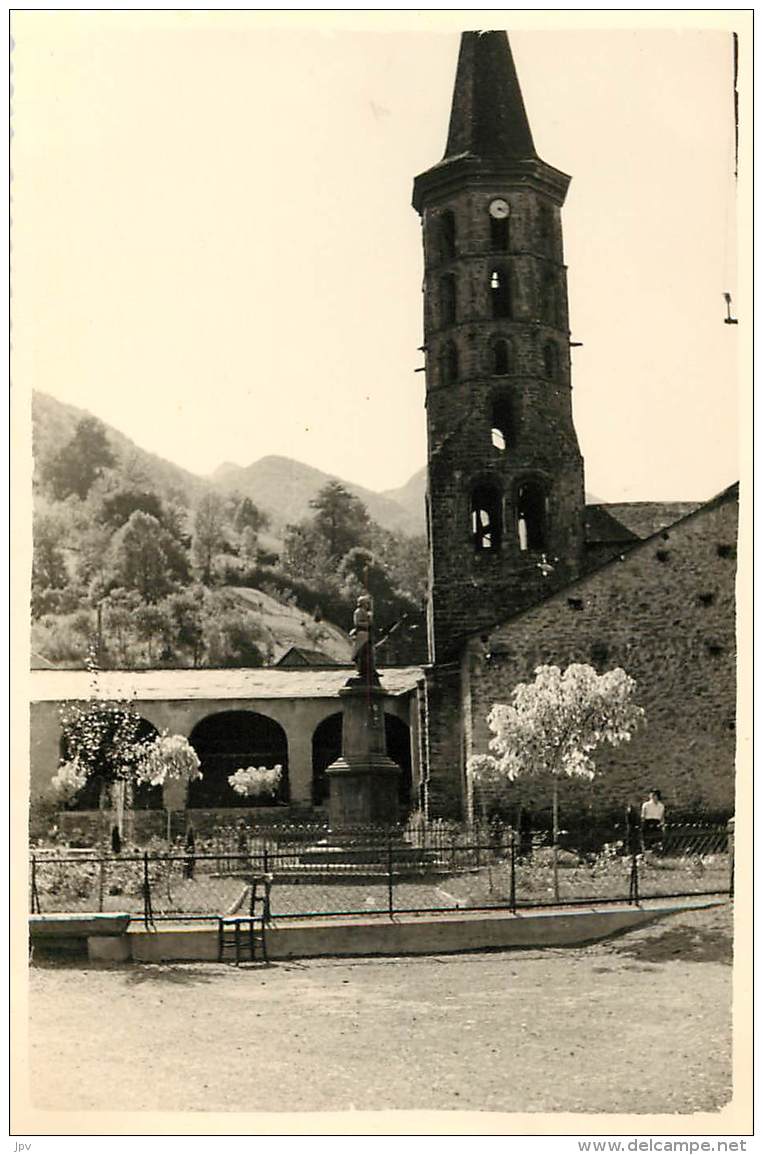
(48, 565)
(340, 518)
(146, 558)
(305, 552)
(232, 636)
(118, 506)
(553, 726)
(78, 463)
(118, 621)
(100, 737)
(186, 614)
(154, 627)
(209, 534)
(246, 515)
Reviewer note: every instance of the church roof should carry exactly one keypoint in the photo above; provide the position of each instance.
(488, 118)
(633, 520)
(187, 685)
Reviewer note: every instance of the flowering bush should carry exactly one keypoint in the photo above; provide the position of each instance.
(169, 757)
(69, 780)
(256, 780)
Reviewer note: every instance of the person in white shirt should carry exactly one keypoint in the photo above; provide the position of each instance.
(652, 820)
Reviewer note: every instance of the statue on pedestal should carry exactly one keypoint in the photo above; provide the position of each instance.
(363, 641)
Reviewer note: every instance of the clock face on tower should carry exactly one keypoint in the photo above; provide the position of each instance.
(499, 208)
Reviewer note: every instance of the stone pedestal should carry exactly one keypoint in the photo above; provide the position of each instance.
(363, 782)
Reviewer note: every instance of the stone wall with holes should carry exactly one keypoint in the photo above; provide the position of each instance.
(665, 614)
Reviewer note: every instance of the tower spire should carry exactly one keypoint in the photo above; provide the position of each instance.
(488, 118)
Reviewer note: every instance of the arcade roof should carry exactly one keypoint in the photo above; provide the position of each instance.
(185, 685)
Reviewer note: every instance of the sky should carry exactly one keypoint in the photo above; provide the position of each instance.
(214, 249)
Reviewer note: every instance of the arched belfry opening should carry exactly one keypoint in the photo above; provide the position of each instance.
(500, 293)
(532, 515)
(486, 517)
(502, 424)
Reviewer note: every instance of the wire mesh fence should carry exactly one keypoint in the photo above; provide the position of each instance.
(383, 872)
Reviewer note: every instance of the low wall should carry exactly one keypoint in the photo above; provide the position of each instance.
(406, 935)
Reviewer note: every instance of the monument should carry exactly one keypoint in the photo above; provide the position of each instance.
(363, 782)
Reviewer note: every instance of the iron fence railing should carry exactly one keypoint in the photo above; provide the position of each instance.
(383, 874)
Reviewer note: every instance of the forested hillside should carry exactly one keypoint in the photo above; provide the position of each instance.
(152, 564)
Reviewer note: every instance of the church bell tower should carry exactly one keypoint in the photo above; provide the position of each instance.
(505, 498)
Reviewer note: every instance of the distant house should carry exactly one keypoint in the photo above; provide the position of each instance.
(296, 656)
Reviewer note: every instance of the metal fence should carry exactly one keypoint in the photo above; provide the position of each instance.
(376, 872)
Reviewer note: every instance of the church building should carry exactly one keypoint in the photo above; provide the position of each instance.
(521, 571)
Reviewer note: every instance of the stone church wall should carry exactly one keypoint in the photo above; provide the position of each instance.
(665, 613)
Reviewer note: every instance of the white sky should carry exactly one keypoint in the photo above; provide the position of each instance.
(214, 249)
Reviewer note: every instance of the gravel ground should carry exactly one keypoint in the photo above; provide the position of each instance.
(640, 1024)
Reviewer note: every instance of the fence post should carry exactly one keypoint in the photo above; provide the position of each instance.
(101, 881)
(148, 914)
(730, 830)
(35, 895)
(390, 893)
(633, 895)
(513, 876)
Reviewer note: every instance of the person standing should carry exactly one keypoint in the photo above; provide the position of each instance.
(652, 820)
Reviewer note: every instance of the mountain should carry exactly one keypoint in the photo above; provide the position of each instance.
(284, 488)
(54, 422)
(280, 486)
(412, 497)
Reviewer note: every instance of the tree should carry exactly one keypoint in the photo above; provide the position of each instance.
(78, 463)
(305, 552)
(118, 505)
(340, 518)
(145, 557)
(246, 515)
(100, 737)
(169, 759)
(48, 565)
(209, 536)
(553, 726)
(153, 624)
(186, 613)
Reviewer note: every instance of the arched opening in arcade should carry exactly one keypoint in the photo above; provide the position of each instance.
(327, 746)
(234, 740)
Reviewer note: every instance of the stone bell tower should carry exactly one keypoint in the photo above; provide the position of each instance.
(505, 502)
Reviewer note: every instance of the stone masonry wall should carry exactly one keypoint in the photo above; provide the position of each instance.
(665, 614)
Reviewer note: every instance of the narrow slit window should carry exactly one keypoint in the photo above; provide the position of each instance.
(500, 293)
(546, 226)
(532, 507)
(448, 299)
(447, 235)
(450, 366)
(550, 359)
(486, 519)
(550, 301)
